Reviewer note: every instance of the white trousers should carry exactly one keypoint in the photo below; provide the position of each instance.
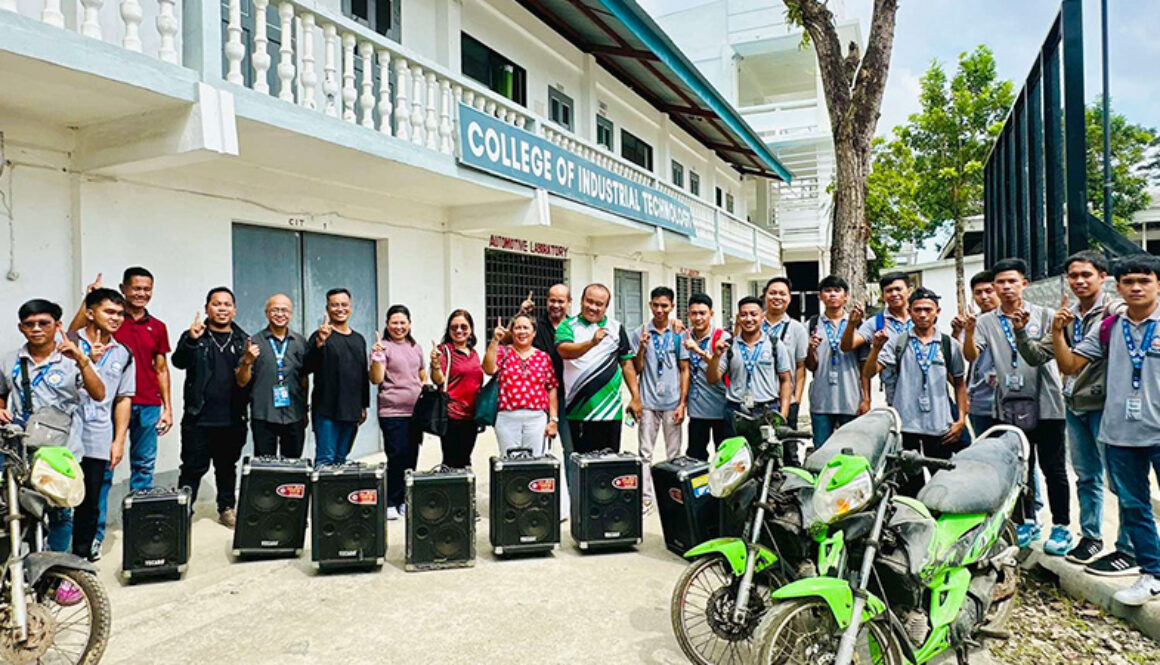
(651, 422)
(525, 429)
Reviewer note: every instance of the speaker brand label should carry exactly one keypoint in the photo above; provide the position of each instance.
(154, 562)
(628, 482)
(363, 497)
(291, 491)
(700, 486)
(676, 495)
(543, 485)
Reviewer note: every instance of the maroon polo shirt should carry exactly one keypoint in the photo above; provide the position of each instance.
(146, 338)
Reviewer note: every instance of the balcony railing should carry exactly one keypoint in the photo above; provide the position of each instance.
(784, 120)
(151, 28)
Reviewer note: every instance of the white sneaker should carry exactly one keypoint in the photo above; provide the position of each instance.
(402, 510)
(1146, 588)
(392, 513)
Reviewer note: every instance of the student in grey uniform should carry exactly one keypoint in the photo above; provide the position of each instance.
(1025, 392)
(1084, 396)
(758, 366)
(664, 383)
(706, 402)
(1130, 432)
(105, 422)
(923, 369)
(836, 390)
(45, 372)
(777, 323)
(981, 377)
(894, 319)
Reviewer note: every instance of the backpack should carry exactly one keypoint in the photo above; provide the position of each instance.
(901, 342)
(1106, 331)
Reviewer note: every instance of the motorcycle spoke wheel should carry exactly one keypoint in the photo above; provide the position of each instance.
(702, 605)
(80, 629)
(804, 632)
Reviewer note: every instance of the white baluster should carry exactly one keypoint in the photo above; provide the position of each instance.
(349, 94)
(286, 53)
(521, 121)
(260, 58)
(385, 92)
(502, 113)
(330, 69)
(167, 30)
(489, 108)
(402, 109)
(309, 78)
(235, 49)
(91, 24)
(481, 104)
(366, 102)
(418, 98)
(451, 95)
(52, 14)
(431, 124)
(469, 98)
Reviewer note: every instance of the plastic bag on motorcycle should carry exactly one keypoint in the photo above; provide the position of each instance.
(55, 471)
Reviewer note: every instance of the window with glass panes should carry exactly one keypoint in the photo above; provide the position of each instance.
(499, 74)
(694, 184)
(382, 16)
(687, 286)
(727, 305)
(678, 174)
(729, 202)
(604, 132)
(559, 108)
(636, 151)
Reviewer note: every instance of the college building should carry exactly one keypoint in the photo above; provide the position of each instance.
(437, 153)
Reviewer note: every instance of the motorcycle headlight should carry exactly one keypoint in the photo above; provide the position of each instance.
(839, 493)
(730, 467)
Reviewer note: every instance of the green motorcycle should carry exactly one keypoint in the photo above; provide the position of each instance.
(943, 566)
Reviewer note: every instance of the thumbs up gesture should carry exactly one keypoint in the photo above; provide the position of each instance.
(252, 352)
(197, 329)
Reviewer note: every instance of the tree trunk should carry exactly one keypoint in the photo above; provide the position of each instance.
(960, 286)
(851, 234)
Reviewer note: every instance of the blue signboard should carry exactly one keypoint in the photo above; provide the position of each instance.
(504, 150)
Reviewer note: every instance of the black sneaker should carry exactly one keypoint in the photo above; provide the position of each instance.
(1087, 550)
(1116, 564)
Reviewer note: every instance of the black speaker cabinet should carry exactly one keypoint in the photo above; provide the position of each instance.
(525, 504)
(272, 507)
(348, 516)
(689, 513)
(606, 500)
(440, 519)
(157, 524)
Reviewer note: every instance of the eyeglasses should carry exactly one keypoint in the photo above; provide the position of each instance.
(279, 310)
(460, 326)
(33, 325)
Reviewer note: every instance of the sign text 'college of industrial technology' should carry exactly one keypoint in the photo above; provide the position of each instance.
(496, 147)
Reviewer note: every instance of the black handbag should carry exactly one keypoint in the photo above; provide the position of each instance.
(430, 413)
(1019, 410)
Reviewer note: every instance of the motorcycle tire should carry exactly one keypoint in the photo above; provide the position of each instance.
(1007, 587)
(705, 637)
(97, 605)
(782, 643)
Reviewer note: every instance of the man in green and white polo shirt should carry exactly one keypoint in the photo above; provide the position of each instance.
(597, 361)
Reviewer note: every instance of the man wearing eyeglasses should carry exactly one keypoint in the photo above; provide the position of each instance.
(664, 382)
(272, 368)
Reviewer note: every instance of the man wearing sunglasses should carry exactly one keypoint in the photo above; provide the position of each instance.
(664, 382)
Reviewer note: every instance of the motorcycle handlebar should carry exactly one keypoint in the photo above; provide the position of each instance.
(787, 433)
(912, 458)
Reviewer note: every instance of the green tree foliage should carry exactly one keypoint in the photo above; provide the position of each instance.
(891, 204)
(1135, 163)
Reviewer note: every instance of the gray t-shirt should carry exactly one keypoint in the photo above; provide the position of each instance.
(706, 401)
(893, 326)
(764, 384)
(1116, 428)
(981, 386)
(792, 334)
(660, 382)
(1013, 373)
(56, 382)
(837, 385)
(264, 378)
(120, 378)
(923, 400)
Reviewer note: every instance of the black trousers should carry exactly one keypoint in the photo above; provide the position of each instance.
(87, 515)
(458, 442)
(928, 446)
(401, 440)
(274, 439)
(794, 412)
(589, 436)
(1048, 447)
(220, 446)
(700, 430)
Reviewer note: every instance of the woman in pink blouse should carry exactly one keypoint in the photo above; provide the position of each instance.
(397, 369)
(527, 388)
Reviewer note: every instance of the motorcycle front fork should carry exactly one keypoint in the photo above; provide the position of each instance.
(850, 636)
(19, 615)
(745, 588)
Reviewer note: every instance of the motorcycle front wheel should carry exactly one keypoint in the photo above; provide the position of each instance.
(804, 632)
(68, 618)
(702, 613)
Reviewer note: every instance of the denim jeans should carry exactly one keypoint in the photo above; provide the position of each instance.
(825, 424)
(1087, 458)
(1128, 469)
(142, 457)
(333, 440)
(60, 529)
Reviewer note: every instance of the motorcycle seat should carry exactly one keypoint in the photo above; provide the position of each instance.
(867, 436)
(984, 475)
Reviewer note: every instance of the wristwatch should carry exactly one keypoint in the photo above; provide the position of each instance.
(553, 419)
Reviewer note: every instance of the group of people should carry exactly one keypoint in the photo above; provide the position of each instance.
(1005, 361)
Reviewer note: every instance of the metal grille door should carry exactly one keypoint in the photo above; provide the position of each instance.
(727, 306)
(687, 286)
(507, 279)
(628, 292)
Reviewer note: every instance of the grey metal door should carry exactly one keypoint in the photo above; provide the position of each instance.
(627, 292)
(266, 261)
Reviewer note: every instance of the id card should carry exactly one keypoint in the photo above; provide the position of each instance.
(747, 401)
(833, 377)
(281, 396)
(1013, 382)
(924, 403)
(1069, 386)
(1133, 407)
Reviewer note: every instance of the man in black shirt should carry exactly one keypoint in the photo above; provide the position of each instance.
(213, 427)
(337, 356)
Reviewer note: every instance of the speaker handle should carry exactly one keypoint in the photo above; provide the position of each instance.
(519, 453)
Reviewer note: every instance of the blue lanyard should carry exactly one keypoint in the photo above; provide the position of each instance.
(1010, 335)
(695, 358)
(898, 326)
(1137, 355)
(26, 409)
(750, 360)
(924, 363)
(280, 356)
(833, 339)
(88, 349)
(1077, 331)
(660, 348)
(772, 329)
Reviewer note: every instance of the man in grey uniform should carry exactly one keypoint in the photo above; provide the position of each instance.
(893, 320)
(777, 323)
(836, 390)
(1130, 433)
(706, 402)
(758, 366)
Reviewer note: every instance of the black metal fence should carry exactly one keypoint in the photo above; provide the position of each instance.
(1035, 184)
